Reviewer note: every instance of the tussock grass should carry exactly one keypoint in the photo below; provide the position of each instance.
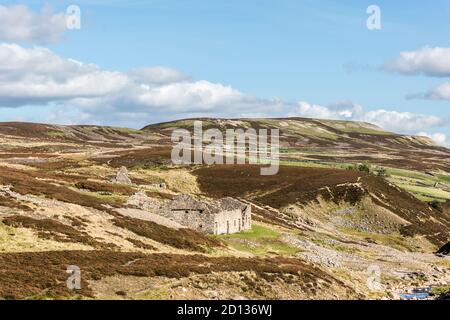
(54, 230)
(186, 239)
(26, 275)
(260, 240)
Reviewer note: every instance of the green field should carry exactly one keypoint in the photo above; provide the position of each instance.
(260, 240)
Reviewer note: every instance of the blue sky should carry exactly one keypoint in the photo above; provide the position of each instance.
(234, 58)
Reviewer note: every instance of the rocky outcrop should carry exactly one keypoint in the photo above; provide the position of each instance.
(122, 176)
(161, 185)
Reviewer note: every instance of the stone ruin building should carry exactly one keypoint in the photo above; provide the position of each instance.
(223, 216)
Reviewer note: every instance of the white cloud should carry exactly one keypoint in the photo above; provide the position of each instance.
(38, 75)
(402, 121)
(441, 92)
(204, 95)
(85, 93)
(395, 121)
(440, 138)
(339, 110)
(157, 75)
(429, 61)
(19, 24)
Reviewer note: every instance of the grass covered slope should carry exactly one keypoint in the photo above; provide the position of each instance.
(317, 225)
(296, 185)
(333, 141)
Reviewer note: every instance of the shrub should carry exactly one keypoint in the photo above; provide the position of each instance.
(436, 205)
(381, 172)
(363, 168)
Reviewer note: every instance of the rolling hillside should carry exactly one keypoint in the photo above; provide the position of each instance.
(334, 141)
(348, 196)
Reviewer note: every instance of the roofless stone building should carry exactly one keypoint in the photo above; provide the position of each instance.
(223, 216)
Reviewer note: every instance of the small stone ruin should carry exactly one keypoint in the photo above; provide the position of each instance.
(221, 216)
(122, 176)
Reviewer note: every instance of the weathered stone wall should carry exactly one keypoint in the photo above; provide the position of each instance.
(228, 222)
(224, 222)
(247, 218)
(222, 216)
(232, 221)
(193, 219)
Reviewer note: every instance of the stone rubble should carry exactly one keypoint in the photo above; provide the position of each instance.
(122, 176)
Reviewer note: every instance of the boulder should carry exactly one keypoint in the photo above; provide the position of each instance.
(122, 176)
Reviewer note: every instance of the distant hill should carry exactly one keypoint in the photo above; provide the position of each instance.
(308, 131)
(334, 140)
(301, 139)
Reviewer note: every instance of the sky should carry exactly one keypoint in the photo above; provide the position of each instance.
(131, 63)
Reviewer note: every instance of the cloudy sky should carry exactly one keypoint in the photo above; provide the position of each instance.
(137, 62)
